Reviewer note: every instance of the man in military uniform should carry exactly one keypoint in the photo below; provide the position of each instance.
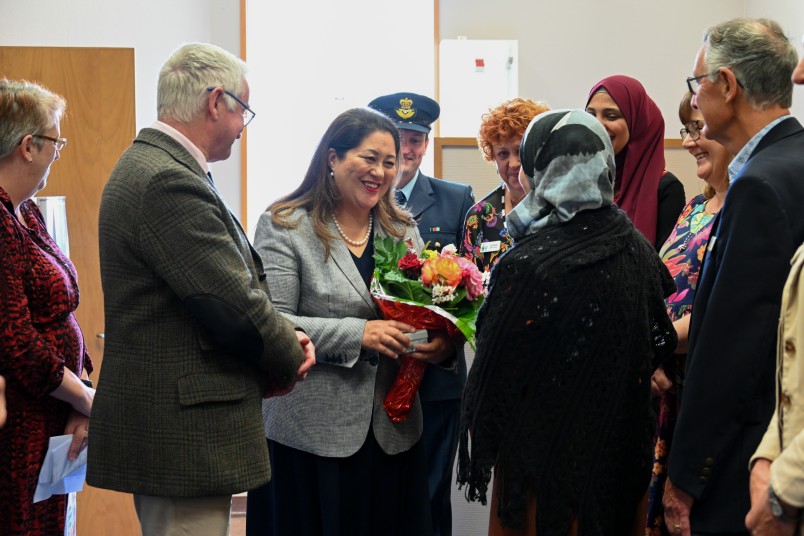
(439, 207)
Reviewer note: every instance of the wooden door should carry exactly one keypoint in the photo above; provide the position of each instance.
(98, 84)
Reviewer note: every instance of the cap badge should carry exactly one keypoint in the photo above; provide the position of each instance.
(405, 111)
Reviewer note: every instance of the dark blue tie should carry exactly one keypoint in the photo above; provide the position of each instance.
(399, 195)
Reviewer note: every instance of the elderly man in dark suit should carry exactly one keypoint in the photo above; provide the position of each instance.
(741, 84)
(439, 208)
(777, 478)
(192, 340)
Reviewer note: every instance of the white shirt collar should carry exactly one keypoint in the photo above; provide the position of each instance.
(185, 142)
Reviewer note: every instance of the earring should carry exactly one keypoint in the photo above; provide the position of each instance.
(332, 174)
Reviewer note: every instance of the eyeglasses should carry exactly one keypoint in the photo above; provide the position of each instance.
(693, 82)
(248, 113)
(692, 129)
(58, 142)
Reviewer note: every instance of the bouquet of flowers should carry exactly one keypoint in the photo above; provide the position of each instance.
(432, 290)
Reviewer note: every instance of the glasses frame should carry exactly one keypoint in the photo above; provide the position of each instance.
(694, 134)
(695, 79)
(248, 113)
(60, 143)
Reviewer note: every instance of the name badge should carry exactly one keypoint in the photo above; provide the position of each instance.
(711, 245)
(488, 247)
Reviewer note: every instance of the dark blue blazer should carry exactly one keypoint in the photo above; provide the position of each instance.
(439, 208)
(729, 392)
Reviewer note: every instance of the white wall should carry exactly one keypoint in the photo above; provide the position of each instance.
(345, 55)
(790, 14)
(153, 28)
(566, 47)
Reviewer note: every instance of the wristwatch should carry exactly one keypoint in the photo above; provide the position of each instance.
(778, 510)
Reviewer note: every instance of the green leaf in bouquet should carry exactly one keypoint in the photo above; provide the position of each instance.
(467, 318)
(396, 284)
(387, 252)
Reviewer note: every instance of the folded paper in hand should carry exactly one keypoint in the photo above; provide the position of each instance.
(60, 475)
(418, 337)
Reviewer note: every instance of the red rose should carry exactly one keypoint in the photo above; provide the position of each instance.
(411, 265)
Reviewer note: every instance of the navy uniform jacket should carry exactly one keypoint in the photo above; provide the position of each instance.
(439, 208)
(729, 393)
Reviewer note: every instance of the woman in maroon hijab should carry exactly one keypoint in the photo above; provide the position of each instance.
(650, 196)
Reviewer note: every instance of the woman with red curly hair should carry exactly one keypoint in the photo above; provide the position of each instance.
(485, 235)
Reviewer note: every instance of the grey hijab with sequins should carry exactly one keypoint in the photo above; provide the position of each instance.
(569, 163)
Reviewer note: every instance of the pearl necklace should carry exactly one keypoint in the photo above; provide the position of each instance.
(355, 242)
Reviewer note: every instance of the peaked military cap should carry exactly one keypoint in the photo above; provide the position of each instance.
(408, 110)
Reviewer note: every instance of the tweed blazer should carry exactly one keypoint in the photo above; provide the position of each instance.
(192, 339)
(331, 413)
(439, 208)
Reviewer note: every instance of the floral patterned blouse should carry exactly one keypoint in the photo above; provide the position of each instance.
(682, 253)
(485, 236)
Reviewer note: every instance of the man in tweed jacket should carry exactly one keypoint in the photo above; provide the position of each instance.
(192, 340)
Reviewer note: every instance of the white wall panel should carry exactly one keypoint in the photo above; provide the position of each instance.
(315, 61)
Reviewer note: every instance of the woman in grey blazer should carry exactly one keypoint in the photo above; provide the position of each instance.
(340, 465)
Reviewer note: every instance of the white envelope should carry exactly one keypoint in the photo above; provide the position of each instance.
(60, 475)
(417, 337)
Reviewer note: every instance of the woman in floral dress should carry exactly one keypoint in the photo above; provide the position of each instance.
(683, 253)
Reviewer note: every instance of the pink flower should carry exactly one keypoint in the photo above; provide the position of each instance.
(471, 278)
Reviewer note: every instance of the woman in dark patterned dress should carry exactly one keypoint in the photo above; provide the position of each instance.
(683, 253)
(42, 352)
(557, 401)
(485, 235)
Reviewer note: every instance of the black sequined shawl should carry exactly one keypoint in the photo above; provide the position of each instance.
(558, 397)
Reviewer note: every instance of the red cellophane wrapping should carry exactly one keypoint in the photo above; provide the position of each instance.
(402, 394)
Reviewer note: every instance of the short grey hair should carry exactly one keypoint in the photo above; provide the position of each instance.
(186, 75)
(26, 108)
(760, 55)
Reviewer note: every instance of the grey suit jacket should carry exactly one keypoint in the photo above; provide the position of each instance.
(331, 412)
(192, 339)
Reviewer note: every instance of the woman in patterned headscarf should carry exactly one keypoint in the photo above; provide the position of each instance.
(558, 398)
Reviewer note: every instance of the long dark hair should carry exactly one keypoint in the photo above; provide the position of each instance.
(318, 194)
